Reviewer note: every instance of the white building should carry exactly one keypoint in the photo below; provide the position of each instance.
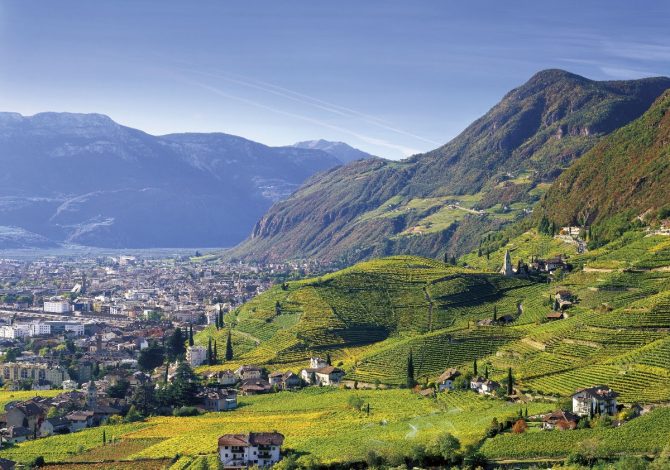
(38, 328)
(595, 400)
(69, 385)
(196, 355)
(15, 331)
(57, 306)
(260, 449)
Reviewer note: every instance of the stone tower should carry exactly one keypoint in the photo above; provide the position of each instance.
(91, 395)
(507, 269)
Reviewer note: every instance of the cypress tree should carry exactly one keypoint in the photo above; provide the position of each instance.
(209, 351)
(495, 313)
(167, 370)
(221, 322)
(216, 353)
(410, 371)
(328, 359)
(190, 336)
(229, 348)
(486, 372)
(104, 437)
(474, 367)
(510, 382)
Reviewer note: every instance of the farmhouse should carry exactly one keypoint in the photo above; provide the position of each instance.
(249, 372)
(237, 451)
(555, 316)
(594, 400)
(484, 386)
(285, 380)
(219, 400)
(561, 420)
(446, 380)
(327, 375)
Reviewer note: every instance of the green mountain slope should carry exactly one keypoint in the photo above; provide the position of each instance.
(370, 316)
(488, 176)
(625, 177)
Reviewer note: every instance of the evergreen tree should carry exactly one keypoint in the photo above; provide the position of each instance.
(184, 385)
(167, 373)
(410, 371)
(328, 359)
(190, 336)
(143, 399)
(209, 351)
(176, 344)
(495, 313)
(104, 437)
(474, 367)
(216, 354)
(486, 372)
(510, 382)
(150, 357)
(229, 347)
(526, 412)
(221, 322)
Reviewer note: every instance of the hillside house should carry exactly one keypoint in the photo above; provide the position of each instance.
(565, 299)
(15, 434)
(484, 386)
(57, 425)
(561, 420)
(238, 451)
(255, 386)
(595, 400)
(446, 380)
(27, 414)
(551, 316)
(327, 375)
(227, 378)
(219, 400)
(285, 380)
(249, 373)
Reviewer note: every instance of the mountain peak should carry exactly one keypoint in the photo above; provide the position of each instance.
(340, 150)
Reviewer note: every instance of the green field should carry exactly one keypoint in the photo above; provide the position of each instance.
(315, 421)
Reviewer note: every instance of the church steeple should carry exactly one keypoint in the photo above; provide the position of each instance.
(507, 269)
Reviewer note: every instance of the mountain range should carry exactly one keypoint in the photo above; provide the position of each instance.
(85, 179)
(440, 203)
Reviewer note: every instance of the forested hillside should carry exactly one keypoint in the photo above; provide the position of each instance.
(440, 202)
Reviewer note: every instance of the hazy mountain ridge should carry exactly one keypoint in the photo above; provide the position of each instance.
(343, 152)
(442, 201)
(83, 178)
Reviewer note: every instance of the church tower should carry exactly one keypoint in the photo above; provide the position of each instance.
(507, 269)
(91, 395)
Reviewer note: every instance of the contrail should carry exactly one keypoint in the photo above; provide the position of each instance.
(311, 101)
(407, 151)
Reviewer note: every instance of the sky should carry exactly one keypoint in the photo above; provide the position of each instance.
(393, 78)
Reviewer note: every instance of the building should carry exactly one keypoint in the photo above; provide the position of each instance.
(327, 375)
(507, 269)
(249, 372)
(39, 328)
(561, 420)
(219, 400)
(484, 386)
(196, 355)
(15, 331)
(599, 399)
(446, 380)
(262, 449)
(57, 306)
(317, 363)
(17, 371)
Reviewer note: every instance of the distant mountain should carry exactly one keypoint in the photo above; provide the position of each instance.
(443, 201)
(343, 152)
(623, 178)
(83, 178)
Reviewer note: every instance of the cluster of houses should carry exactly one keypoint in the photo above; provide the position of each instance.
(260, 449)
(254, 380)
(536, 265)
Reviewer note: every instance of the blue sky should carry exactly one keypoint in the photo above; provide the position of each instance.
(390, 77)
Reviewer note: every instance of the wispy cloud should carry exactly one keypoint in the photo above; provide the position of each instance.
(315, 102)
(406, 151)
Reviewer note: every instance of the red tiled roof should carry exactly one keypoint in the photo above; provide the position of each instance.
(252, 439)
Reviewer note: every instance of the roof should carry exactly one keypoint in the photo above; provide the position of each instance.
(328, 370)
(252, 439)
(597, 391)
(560, 415)
(555, 315)
(448, 374)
